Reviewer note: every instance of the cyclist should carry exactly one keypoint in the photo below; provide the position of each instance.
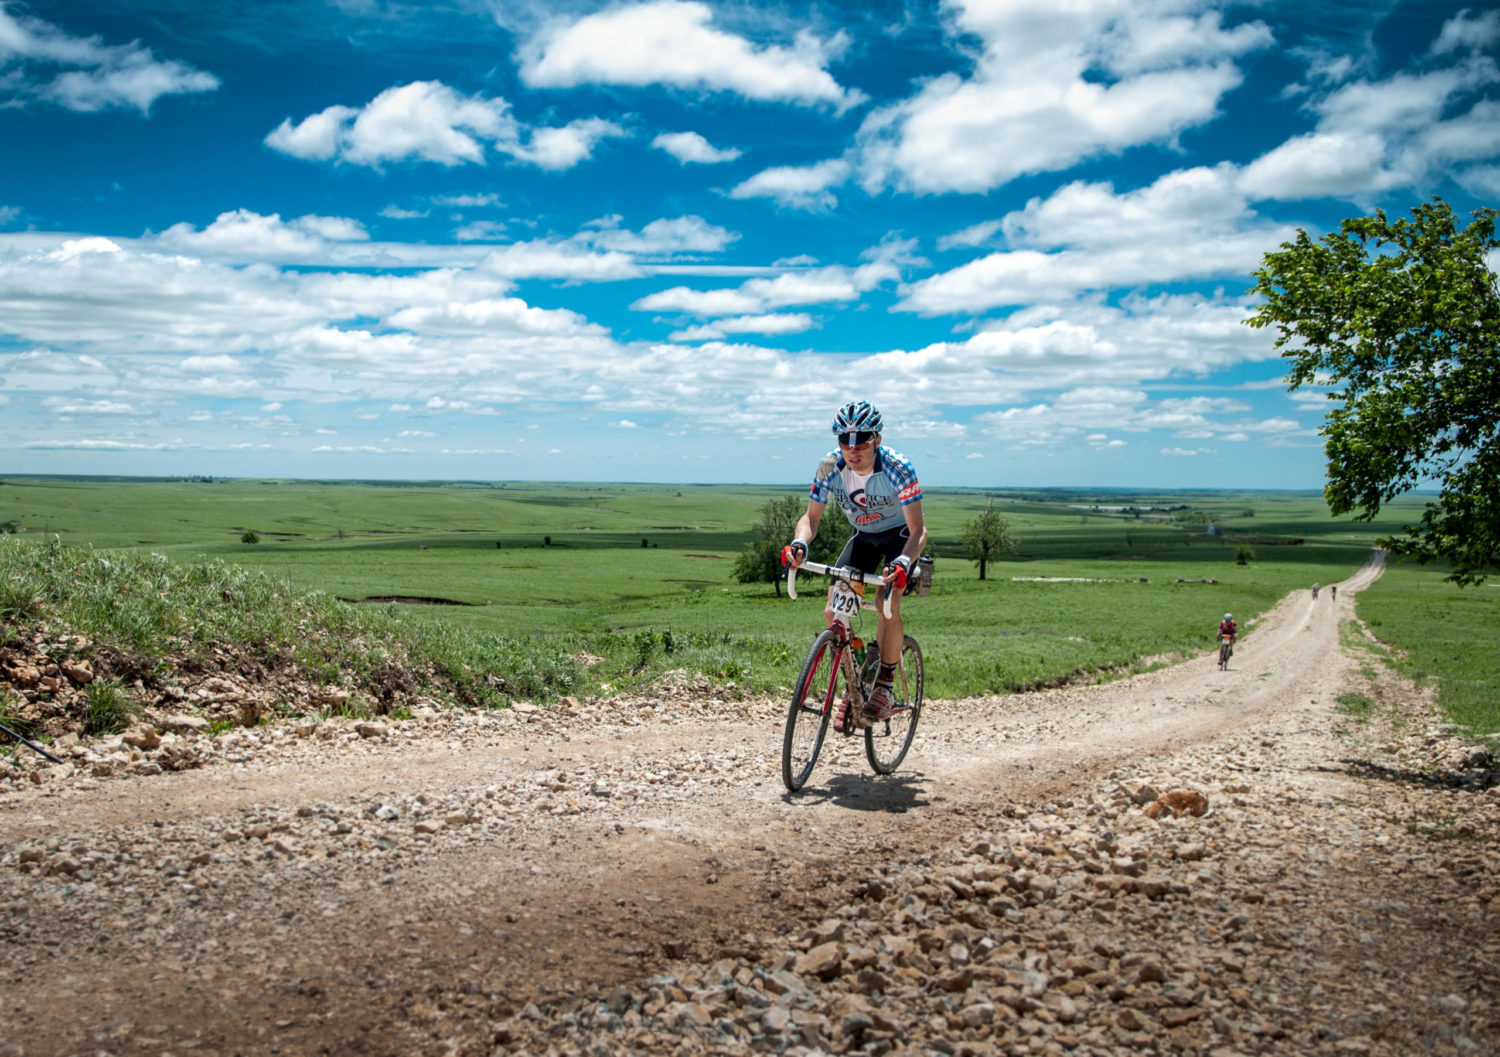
(1335, 590)
(1227, 626)
(877, 490)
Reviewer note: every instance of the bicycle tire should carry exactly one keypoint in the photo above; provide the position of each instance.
(887, 741)
(1224, 654)
(814, 697)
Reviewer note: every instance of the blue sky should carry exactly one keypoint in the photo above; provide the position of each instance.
(662, 241)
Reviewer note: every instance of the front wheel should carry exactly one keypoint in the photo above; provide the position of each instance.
(886, 741)
(1224, 654)
(817, 694)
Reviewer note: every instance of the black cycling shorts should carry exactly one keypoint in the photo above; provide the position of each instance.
(871, 552)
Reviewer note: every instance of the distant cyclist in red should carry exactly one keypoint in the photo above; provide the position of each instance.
(1227, 626)
(877, 490)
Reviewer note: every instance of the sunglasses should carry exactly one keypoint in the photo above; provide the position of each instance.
(855, 440)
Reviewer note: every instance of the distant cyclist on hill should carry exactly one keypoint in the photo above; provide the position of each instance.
(877, 490)
(1227, 626)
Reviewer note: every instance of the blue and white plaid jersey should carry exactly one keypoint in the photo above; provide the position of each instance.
(876, 507)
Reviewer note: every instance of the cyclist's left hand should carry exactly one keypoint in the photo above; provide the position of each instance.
(897, 573)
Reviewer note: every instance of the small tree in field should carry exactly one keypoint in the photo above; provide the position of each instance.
(1402, 320)
(760, 561)
(249, 536)
(1244, 556)
(987, 537)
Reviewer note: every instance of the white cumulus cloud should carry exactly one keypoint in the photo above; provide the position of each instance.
(562, 148)
(770, 323)
(423, 120)
(797, 186)
(663, 237)
(754, 297)
(245, 234)
(1055, 84)
(429, 121)
(1375, 135)
(41, 61)
(1191, 224)
(691, 147)
(674, 43)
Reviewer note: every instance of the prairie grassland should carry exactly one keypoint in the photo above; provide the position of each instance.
(1443, 635)
(641, 575)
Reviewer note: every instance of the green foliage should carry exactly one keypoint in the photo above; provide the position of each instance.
(987, 537)
(249, 536)
(109, 708)
(1403, 319)
(760, 560)
(1244, 555)
(760, 563)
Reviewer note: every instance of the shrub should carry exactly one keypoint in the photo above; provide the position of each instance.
(249, 536)
(109, 709)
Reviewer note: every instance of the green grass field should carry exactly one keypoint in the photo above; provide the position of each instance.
(1444, 636)
(641, 575)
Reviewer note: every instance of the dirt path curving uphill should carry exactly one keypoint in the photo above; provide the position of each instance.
(326, 892)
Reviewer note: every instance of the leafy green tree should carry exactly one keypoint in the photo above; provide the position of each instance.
(1403, 319)
(249, 536)
(987, 537)
(760, 561)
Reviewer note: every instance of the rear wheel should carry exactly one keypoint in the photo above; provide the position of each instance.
(817, 693)
(886, 741)
(1224, 652)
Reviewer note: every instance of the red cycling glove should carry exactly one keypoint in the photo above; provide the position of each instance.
(899, 571)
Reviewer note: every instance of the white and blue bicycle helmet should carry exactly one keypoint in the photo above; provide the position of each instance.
(859, 416)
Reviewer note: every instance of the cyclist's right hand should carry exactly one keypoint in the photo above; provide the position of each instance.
(794, 554)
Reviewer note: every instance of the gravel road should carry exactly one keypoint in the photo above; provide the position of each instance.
(628, 875)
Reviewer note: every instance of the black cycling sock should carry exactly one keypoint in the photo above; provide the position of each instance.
(887, 674)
